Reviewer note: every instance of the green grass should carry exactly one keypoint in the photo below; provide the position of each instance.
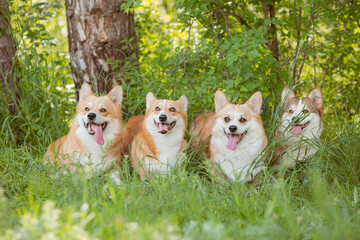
(318, 200)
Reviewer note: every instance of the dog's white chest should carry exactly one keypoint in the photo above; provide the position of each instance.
(94, 155)
(297, 152)
(302, 147)
(237, 164)
(168, 148)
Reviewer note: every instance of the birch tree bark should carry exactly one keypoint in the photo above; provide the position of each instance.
(99, 30)
(8, 82)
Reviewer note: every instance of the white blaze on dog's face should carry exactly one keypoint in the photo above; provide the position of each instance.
(301, 116)
(166, 115)
(99, 115)
(237, 121)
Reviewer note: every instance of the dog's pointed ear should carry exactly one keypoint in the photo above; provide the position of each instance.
(85, 91)
(116, 95)
(150, 98)
(220, 100)
(183, 102)
(287, 94)
(316, 98)
(255, 102)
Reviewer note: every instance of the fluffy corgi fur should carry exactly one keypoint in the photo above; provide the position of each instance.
(234, 135)
(157, 137)
(95, 136)
(301, 121)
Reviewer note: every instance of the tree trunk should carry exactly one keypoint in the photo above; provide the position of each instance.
(99, 30)
(272, 42)
(8, 82)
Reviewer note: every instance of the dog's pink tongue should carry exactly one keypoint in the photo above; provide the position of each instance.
(98, 134)
(232, 141)
(163, 127)
(296, 130)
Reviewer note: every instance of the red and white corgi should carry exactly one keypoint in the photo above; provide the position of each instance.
(235, 137)
(157, 137)
(95, 136)
(301, 122)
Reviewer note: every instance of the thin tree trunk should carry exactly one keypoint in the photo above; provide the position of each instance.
(272, 43)
(8, 81)
(99, 31)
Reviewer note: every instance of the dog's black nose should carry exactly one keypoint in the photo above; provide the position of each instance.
(232, 128)
(162, 117)
(296, 119)
(91, 116)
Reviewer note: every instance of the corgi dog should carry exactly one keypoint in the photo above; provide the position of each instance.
(301, 122)
(157, 138)
(95, 136)
(234, 135)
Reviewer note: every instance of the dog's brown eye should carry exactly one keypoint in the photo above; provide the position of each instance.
(226, 119)
(87, 109)
(242, 120)
(172, 109)
(157, 109)
(291, 111)
(305, 111)
(103, 110)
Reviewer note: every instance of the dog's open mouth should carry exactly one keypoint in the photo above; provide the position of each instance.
(164, 127)
(96, 129)
(234, 139)
(297, 129)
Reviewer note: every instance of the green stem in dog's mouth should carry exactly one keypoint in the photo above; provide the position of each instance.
(297, 129)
